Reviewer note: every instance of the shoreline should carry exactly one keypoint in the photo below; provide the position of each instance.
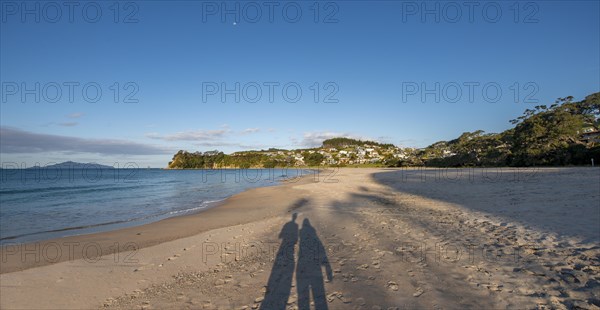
(391, 238)
(182, 226)
(97, 244)
(113, 226)
(44, 252)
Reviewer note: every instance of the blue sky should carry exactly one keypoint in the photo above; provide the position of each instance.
(366, 60)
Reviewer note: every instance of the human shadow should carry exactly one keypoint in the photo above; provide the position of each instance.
(280, 280)
(309, 275)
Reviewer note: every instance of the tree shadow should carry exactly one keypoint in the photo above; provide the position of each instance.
(518, 196)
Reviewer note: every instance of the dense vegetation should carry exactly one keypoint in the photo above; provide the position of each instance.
(542, 136)
(216, 159)
(546, 136)
(313, 159)
(345, 142)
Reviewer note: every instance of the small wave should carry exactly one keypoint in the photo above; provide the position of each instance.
(74, 189)
(213, 201)
(203, 205)
(67, 229)
(47, 189)
(186, 210)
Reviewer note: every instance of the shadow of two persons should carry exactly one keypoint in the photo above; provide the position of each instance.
(309, 275)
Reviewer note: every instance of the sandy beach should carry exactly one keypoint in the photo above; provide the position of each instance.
(347, 239)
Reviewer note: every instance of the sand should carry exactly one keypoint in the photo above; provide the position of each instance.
(410, 239)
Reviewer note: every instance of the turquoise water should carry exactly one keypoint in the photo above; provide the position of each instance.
(49, 203)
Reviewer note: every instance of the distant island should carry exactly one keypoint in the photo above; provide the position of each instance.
(564, 133)
(75, 165)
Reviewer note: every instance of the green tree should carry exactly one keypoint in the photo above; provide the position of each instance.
(314, 159)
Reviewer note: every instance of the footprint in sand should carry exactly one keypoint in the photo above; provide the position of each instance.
(143, 267)
(392, 285)
(419, 292)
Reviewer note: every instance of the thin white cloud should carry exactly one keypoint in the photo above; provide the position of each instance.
(17, 141)
(75, 115)
(315, 139)
(250, 130)
(243, 146)
(68, 124)
(193, 135)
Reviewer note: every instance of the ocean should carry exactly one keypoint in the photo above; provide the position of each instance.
(40, 204)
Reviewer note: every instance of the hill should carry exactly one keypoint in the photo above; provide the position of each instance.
(564, 133)
(76, 165)
(348, 142)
